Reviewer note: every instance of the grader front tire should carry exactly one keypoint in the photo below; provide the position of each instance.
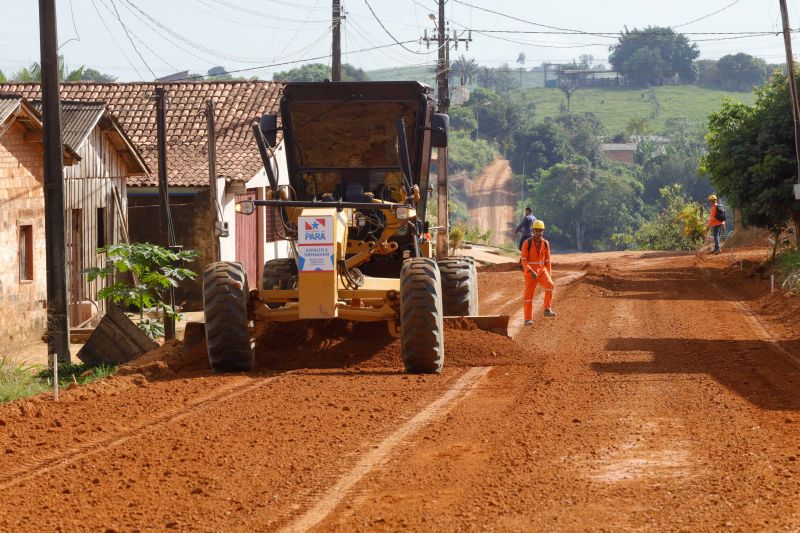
(422, 328)
(225, 309)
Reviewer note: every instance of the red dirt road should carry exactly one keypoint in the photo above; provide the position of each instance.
(492, 199)
(655, 400)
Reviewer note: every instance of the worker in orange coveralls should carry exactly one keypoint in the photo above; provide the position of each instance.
(535, 260)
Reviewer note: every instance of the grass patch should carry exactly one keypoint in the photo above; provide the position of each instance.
(788, 265)
(21, 381)
(616, 106)
(18, 381)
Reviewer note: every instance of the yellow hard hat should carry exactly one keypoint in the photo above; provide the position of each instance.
(538, 225)
(712, 198)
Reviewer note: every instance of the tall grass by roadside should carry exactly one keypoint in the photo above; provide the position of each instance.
(788, 264)
(18, 380)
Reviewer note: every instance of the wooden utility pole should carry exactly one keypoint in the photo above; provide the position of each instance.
(54, 223)
(787, 41)
(167, 231)
(337, 41)
(212, 177)
(442, 77)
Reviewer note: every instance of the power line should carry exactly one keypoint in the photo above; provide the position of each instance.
(284, 63)
(270, 16)
(390, 33)
(143, 43)
(518, 19)
(125, 28)
(75, 27)
(111, 34)
(707, 16)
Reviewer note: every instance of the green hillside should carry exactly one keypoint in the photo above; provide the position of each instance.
(616, 106)
(422, 74)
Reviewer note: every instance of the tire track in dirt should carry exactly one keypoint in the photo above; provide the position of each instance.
(32, 468)
(334, 496)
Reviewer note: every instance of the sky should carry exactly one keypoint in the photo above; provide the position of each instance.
(143, 39)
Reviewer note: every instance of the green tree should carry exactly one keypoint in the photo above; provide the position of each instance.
(465, 154)
(33, 72)
(464, 69)
(152, 269)
(496, 117)
(708, 73)
(751, 156)
(638, 126)
(90, 74)
(653, 55)
(741, 72)
(521, 63)
(2, 77)
(540, 147)
(678, 163)
(679, 225)
(584, 205)
(320, 72)
(584, 131)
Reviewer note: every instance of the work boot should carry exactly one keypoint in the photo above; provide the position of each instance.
(528, 323)
(549, 313)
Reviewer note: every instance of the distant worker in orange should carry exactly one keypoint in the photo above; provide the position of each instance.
(537, 269)
(716, 221)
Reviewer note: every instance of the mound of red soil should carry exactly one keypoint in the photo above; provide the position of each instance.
(340, 344)
(500, 267)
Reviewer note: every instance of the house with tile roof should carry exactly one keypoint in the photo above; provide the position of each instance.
(98, 161)
(240, 173)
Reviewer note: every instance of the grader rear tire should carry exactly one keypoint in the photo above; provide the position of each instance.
(279, 274)
(421, 325)
(459, 286)
(225, 309)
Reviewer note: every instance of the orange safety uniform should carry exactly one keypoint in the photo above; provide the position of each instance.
(712, 217)
(536, 259)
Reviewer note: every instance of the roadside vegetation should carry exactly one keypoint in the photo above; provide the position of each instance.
(666, 103)
(19, 380)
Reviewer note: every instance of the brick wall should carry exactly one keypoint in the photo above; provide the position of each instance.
(22, 304)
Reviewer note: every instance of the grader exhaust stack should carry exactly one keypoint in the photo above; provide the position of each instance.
(358, 156)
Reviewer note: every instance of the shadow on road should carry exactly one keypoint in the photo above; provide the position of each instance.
(753, 369)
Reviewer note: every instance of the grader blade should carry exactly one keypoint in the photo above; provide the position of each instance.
(493, 323)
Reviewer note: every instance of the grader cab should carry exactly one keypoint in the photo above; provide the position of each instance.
(358, 156)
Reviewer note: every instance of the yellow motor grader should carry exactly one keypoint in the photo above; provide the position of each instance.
(358, 157)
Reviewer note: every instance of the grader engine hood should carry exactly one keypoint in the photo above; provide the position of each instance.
(342, 139)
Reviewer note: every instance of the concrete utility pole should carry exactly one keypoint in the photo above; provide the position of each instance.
(337, 42)
(167, 230)
(787, 41)
(54, 223)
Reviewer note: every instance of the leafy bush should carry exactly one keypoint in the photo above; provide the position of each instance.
(153, 269)
(679, 226)
(465, 154)
(456, 238)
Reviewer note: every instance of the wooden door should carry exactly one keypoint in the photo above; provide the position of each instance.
(75, 263)
(247, 241)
